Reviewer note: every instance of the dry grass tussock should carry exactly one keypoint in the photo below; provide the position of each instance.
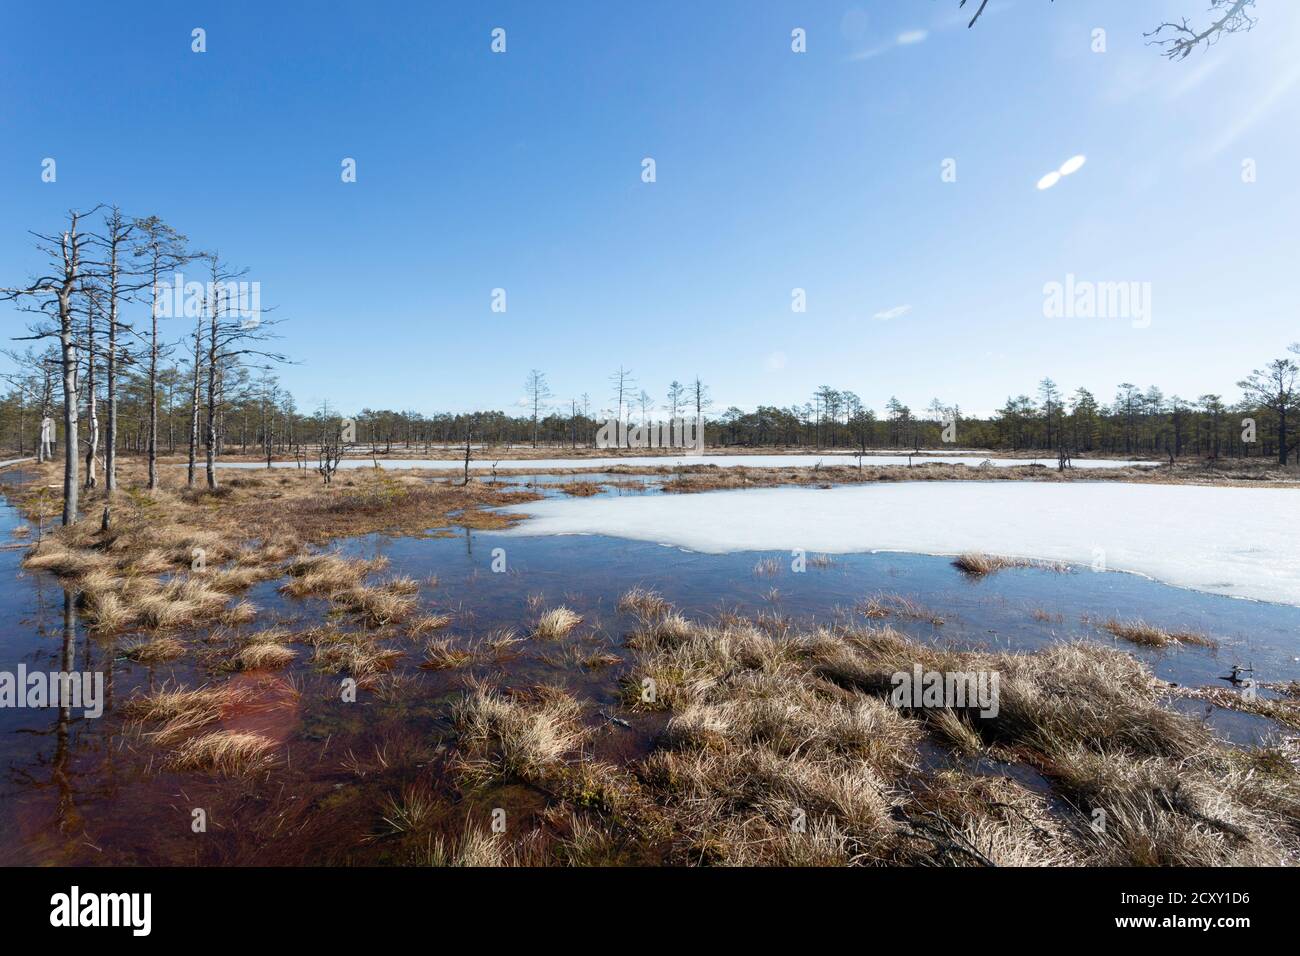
(502, 736)
(159, 650)
(426, 623)
(356, 655)
(897, 605)
(1149, 635)
(326, 573)
(580, 489)
(377, 605)
(441, 654)
(556, 623)
(264, 655)
(645, 603)
(224, 752)
(479, 848)
(977, 564)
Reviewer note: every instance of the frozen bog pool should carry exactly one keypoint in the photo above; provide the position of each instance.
(722, 461)
(1240, 542)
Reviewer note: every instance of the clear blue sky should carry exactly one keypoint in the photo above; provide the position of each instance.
(775, 171)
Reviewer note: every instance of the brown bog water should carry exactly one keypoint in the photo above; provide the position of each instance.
(92, 790)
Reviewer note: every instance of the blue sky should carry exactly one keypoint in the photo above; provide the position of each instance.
(775, 171)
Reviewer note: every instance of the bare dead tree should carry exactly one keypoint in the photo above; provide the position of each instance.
(469, 436)
(236, 328)
(161, 248)
(196, 368)
(93, 312)
(329, 454)
(51, 296)
(119, 284)
(623, 382)
(538, 393)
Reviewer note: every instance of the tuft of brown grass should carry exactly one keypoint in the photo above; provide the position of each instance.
(556, 623)
(57, 558)
(182, 712)
(264, 656)
(224, 752)
(503, 641)
(159, 650)
(977, 564)
(441, 654)
(180, 602)
(378, 604)
(643, 602)
(897, 605)
(245, 612)
(428, 622)
(412, 810)
(597, 659)
(355, 655)
(238, 578)
(580, 489)
(324, 574)
(1149, 635)
(476, 848)
(102, 604)
(501, 737)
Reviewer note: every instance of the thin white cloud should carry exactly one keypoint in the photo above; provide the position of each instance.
(897, 312)
(776, 361)
(906, 38)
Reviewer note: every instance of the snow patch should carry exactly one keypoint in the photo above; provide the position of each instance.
(1239, 542)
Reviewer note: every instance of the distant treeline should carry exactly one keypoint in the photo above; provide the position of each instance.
(260, 417)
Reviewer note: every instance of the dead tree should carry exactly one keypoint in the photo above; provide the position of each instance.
(92, 400)
(236, 328)
(161, 249)
(118, 283)
(538, 393)
(469, 437)
(330, 453)
(51, 296)
(623, 382)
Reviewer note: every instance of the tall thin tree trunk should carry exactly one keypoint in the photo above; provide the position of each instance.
(210, 461)
(110, 448)
(92, 413)
(194, 401)
(68, 353)
(153, 383)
